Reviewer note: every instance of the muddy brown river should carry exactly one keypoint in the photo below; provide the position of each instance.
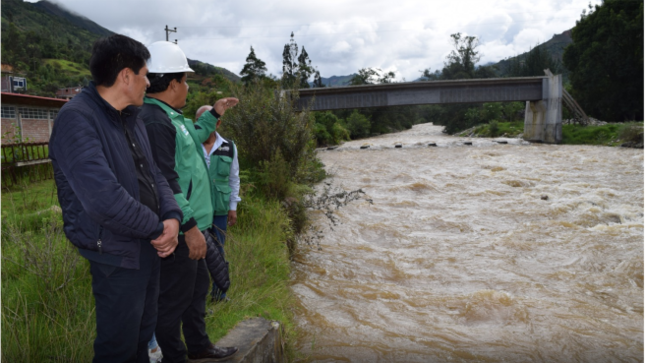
(486, 253)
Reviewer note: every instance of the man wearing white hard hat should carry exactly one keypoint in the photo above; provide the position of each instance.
(176, 147)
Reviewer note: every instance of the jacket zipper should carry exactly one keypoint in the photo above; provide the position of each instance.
(99, 243)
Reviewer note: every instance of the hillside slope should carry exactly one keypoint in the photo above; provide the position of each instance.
(555, 46)
(41, 40)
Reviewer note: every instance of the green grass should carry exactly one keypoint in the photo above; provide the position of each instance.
(70, 68)
(47, 303)
(609, 135)
(505, 129)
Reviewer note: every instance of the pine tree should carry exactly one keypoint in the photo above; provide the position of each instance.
(296, 69)
(254, 68)
(304, 68)
(289, 62)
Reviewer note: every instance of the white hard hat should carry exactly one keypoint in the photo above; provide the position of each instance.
(167, 57)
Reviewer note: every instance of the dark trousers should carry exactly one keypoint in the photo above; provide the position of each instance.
(220, 223)
(126, 308)
(182, 305)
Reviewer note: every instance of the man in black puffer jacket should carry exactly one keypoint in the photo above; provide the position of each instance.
(117, 206)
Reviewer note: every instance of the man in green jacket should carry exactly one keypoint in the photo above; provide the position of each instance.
(176, 147)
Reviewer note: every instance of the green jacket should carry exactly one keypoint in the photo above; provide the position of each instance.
(195, 200)
(219, 172)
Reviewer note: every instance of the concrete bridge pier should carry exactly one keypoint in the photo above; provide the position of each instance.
(543, 118)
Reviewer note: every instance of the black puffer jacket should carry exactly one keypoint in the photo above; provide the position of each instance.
(217, 266)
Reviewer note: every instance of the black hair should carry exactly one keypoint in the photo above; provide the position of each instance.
(159, 82)
(111, 54)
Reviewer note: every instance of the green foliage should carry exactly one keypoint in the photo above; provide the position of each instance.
(371, 76)
(31, 35)
(533, 63)
(274, 176)
(606, 61)
(589, 135)
(493, 128)
(631, 132)
(47, 304)
(47, 310)
(339, 133)
(610, 134)
(460, 63)
(265, 124)
(358, 125)
(329, 129)
(254, 68)
(296, 69)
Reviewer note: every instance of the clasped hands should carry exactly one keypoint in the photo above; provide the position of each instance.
(166, 243)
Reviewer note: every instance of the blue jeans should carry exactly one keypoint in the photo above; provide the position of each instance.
(220, 223)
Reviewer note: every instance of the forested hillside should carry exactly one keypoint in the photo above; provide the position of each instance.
(51, 46)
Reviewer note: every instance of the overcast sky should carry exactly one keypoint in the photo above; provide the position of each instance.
(404, 36)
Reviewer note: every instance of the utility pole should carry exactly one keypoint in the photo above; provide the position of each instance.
(168, 30)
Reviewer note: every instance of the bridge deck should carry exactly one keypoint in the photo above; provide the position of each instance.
(419, 93)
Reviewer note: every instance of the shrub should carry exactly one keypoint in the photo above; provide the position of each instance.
(358, 125)
(493, 128)
(631, 132)
(266, 121)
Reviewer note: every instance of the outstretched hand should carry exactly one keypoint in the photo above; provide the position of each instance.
(224, 104)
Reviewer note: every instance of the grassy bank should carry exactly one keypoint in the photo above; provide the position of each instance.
(613, 134)
(47, 303)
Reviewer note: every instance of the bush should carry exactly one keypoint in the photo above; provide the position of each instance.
(493, 128)
(631, 132)
(339, 133)
(266, 121)
(322, 136)
(358, 125)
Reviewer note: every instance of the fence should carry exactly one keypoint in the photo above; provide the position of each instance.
(25, 162)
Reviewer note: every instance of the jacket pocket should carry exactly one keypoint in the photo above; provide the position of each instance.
(224, 165)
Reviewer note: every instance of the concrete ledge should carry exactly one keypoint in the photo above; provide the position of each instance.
(258, 339)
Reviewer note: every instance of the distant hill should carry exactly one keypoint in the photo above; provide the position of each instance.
(78, 20)
(205, 68)
(52, 45)
(337, 81)
(555, 46)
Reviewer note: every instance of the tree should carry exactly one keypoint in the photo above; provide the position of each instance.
(318, 80)
(304, 68)
(533, 64)
(364, 76)
(253, 69)
(289, 62)
(460, 63)
(605, 61)
(371, 76)
(295, 68)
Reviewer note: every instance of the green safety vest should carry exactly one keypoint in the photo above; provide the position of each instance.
(196, 200)
(219, 172)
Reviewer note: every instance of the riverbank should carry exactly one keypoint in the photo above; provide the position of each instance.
(47, 305)
(629, 134)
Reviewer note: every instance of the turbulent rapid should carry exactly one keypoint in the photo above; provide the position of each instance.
(492, 252)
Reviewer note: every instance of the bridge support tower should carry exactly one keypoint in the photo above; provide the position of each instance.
(543, 118)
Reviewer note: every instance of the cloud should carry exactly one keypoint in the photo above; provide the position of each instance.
(341, 36)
